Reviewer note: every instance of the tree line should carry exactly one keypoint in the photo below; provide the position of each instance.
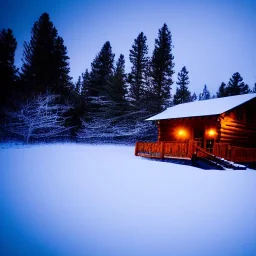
(40, 101)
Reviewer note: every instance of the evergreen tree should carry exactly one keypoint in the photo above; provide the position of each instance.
(182, 95)
(102, 69)
(162, 68)
(97, 100)
(222, 92)
(137, 77)
(104, 90)
(236, 86)
(45, 61)
(78, 85)
(8, 70)
(62, 83)
(194, 97)
(117, 89)
(205, 95)
(254, 88)
(85, 84)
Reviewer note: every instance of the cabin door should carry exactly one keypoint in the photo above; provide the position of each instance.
(199, 136)
(209, 145)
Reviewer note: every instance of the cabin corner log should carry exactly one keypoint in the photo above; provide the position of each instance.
(136, 148)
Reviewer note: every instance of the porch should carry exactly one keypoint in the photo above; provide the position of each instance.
(185, 150)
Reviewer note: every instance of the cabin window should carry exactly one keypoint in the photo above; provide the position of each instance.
(239, 114)
(209, 145)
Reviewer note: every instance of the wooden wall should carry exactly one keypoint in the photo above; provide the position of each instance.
(238, 126)
(168, 130)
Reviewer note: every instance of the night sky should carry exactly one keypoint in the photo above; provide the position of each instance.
(213, 39)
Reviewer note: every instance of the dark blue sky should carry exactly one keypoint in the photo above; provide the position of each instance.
(213, 38)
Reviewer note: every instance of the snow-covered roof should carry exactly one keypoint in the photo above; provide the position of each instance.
(203, 108)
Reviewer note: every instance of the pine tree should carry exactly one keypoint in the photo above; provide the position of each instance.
(78, 85)
(117, 89)
(162, 68)
(45, 61)
(254, 88)
(104, 89)
(137, 77)
(182, 95)
(102, 69)
(62, 82)
(236, 86)
(205, 95)
(194, 97)
(85, 84)
(8, 70)
(38, 55)
(222, 92)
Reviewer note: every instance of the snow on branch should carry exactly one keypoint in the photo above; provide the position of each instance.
(115, 127)
(39, 117)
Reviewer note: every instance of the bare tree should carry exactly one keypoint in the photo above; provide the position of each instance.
(105, 129)
(40, 117)
(109, 124)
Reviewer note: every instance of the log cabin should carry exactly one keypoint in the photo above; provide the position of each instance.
(224, 127)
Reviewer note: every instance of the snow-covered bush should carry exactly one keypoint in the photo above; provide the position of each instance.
(39, 117)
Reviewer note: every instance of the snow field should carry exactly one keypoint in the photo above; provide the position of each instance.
(69, 199)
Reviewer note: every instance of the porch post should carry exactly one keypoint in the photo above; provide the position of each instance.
(191, 148)
(162, 150)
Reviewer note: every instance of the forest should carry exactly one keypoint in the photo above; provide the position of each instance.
(41, 102)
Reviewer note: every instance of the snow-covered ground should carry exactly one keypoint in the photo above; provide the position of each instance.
(102, 200)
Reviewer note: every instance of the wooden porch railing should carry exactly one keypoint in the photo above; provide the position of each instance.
(234, 153)
(239, 154)
(165, 149)
(186, 150)
(222, 150)
(215, 160)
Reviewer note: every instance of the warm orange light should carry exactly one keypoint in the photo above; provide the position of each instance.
(211, 132)
(182, 133)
